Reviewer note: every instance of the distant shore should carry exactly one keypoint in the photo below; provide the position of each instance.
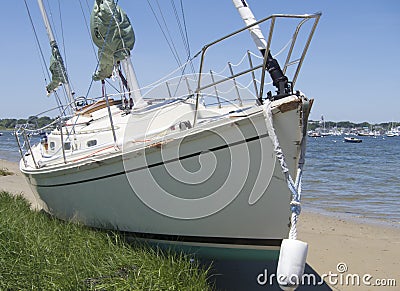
(364, 248)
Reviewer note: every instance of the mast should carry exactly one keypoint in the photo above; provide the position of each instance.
(56, 53)
(280, 81)
(133, 83)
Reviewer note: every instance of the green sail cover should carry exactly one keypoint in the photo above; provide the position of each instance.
(119, 33)
(57, 69)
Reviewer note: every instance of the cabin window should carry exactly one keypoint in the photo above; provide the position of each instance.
(67, 146)
(52, 145)
(91, 143)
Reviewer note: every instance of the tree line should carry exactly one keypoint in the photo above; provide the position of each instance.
(313, 124)
(34, 121)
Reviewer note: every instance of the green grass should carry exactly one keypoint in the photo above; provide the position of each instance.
(38, 252)
(5, 172)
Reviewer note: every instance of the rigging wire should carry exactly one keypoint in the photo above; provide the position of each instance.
(43, 60)
(123, 42)
(88, 28)
(37, 39)
(101, 50)
(187, 37)
(164, 34)
(167, 35)
(62, 35)
(65, 54)
(51, 17)
(66, 99)
(184, 40)
(183, 32)
(91, 42)
(88, 6)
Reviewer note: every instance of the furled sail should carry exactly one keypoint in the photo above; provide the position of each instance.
(112, 33)
(57, 69)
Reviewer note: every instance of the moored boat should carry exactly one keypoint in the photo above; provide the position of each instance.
(314, 134)
(352, 140)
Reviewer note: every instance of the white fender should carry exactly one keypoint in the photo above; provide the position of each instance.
(292, 260)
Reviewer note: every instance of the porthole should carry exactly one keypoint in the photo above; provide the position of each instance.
(67, 146)
(91, 143)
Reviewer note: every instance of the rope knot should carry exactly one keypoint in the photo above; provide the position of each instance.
(295, 207)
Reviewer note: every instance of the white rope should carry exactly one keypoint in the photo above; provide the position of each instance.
(256, 55)
(274, 56)
(238, 85)
(154, 84)
(222, 71)
(171, 84)
(247, 86)
(191, 80)
(284, 48)
(226, 92)
(241, 61)
(295, 187)
(259, 82)
(233, 65)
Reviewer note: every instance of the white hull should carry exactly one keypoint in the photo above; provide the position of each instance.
(219, 183)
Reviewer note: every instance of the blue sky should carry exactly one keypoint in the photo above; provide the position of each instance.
(351, 69)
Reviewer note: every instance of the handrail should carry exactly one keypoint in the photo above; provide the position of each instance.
(229, 78)
(30, 149)
(273, 18)
(306, 48)
(20, 149)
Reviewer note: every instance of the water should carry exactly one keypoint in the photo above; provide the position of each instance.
(360, 180)
(8, 147)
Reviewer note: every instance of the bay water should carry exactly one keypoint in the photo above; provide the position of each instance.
(360, 180)
(8, 146)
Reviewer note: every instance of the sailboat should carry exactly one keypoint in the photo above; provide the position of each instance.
(177, 169)
(393, 131)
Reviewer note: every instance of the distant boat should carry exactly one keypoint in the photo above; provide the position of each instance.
(363, 134)
(325, 133)
(1, 133)
(314, 134)
(392, 133)
(352, 139)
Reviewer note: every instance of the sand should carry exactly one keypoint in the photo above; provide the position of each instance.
(364, 248)
(17, 184)
(334, 242)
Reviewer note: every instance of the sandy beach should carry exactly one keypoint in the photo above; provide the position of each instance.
(345, 248)
(360, 248)
(16, 183)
